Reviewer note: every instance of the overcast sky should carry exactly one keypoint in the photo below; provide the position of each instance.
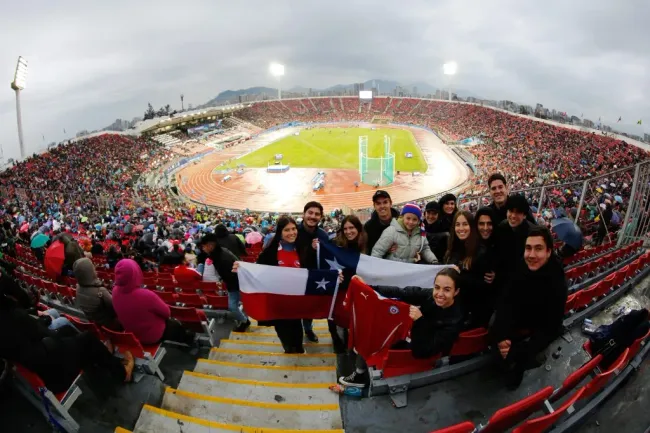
(92, 62)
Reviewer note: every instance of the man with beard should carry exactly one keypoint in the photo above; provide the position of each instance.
(499, 193)
(309, 234)
(532, 306)
(380, 219)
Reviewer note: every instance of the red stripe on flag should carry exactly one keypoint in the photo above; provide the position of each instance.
(267, 306)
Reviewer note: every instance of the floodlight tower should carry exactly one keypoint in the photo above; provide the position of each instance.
(277, 70)
(18, 84)
(450, 69)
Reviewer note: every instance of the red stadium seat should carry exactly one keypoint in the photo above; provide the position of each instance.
(86, 326)
(463, 427)
(209, 287)
(636, 345)
(634, 267)
(217, 302)
(585, 297)
(470, 342)
(598, 382)
(168, 298)
(542, 423)
(147, 356)
(570, 303)
(196, 320)
(401, 362)
(509, 416)
(619, 278)
(191, 300)
(575, 378)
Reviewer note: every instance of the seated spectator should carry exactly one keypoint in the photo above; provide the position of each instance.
(436, 325)
(56, 359)
(96, 248)
(184, 274)
(474, 264)
(510, 236)
(92, 297)
(175, 257)
(532, 305)
(141, 311)
(190, 256)
(412, 245)
(230, 241)
(113, 256)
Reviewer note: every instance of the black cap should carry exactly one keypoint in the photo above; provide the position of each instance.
(380, 193)
(432, 206)
(518, 202)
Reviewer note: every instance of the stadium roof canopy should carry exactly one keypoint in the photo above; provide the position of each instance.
(168, 123)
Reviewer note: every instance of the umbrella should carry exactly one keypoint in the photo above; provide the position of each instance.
(568, 232)
(618, 198)
(54, 258)
(254, 238)
(39, 240)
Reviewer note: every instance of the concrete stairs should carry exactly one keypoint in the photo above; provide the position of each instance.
(248, 384)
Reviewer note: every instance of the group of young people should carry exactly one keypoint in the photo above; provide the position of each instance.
(503, 274)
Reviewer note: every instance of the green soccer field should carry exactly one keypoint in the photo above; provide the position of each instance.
(337, 148)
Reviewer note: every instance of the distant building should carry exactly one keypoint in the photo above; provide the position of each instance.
(415, 91)
(646, 138)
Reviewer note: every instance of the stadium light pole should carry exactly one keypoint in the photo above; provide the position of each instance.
(450, 68)
(18, 84)
(277, 70)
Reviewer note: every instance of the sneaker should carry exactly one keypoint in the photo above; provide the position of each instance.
(358, 380)
(243, 327)
(128, 362)
(311, 336)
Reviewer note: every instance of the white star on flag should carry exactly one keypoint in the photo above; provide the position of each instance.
(334, 264)
(322, 284)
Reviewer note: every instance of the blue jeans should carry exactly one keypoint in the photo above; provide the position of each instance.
(233, 307)
(57, 320)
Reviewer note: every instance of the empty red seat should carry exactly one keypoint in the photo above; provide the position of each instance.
(598, 382)
(634, 267)
(542, 423)
(191, 300)
(217, 302)
(167, 297)
(191, 318)
(509, 416)
(123, 341)
(619, 277)
(470, 342)
(209, 287)
(570, 303)
(576, 377)
(401, 362)
(463, 427)
(86, 326)
(584, 298)
(636, 345)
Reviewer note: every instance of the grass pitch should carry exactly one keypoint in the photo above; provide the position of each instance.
(337, 148)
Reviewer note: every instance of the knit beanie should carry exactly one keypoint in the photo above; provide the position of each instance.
(412, 208)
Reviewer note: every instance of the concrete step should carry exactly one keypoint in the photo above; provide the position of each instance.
(267, 373)
(267, 346)
(271, 337)
(153, 419)
(256, 390)
(266, 329)
(253, 414)
(273, 358)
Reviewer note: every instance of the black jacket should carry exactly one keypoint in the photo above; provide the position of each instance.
(509, 247)
(223, 260)
(500, 214)
(437, 330)
(303, 245)
(532, 301)
(230, 241)
(374, 228)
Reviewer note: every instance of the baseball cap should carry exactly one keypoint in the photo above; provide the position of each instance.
(380, 193)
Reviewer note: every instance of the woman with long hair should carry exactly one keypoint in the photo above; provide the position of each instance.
(282, 251)
(351, 234)
(473, 263)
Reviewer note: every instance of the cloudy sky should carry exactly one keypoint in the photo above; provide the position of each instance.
(92, 62)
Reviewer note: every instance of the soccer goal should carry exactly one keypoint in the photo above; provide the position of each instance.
(376, 171)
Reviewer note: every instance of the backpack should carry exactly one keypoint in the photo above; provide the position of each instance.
(612, 340)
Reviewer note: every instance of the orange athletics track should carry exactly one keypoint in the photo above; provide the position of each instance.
(258, 190)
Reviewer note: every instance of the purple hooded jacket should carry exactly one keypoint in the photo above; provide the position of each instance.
(139, 310)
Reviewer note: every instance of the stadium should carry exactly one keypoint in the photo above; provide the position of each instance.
(242, 166)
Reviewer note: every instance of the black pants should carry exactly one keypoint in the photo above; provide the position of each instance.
(68, 356)
(290, 334)
(175, 331)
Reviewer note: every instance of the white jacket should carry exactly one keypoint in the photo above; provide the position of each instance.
(407, 245)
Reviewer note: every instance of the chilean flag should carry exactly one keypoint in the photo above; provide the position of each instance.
(376, 271)
(272, 292)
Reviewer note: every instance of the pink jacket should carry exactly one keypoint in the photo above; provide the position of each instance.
(139, 310)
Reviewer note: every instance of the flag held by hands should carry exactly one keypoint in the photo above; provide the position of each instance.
(273, 293)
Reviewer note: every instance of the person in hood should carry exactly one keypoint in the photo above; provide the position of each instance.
(448, 206)
(405, 233)
(96, 248)
(141, 311)
(532, 305)
(230, 241)
(92, 297)
(380, 219)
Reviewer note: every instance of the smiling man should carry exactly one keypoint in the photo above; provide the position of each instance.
(499, 191)
(380, 219)
(532, 305)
